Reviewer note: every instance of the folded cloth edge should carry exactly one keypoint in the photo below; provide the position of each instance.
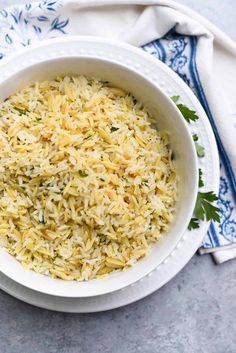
(221, 254)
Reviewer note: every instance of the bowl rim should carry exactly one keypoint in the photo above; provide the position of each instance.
(76, 39)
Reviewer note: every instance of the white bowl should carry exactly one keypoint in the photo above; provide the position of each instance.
(101, 58)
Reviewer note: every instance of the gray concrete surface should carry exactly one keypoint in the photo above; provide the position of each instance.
(194, 313)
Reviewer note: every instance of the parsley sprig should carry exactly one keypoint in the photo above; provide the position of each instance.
(188, 114)
(204, 207)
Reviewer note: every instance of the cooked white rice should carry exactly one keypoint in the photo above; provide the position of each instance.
(86, 183)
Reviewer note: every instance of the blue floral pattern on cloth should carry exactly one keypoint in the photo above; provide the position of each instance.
(23, 25)
(178, 52)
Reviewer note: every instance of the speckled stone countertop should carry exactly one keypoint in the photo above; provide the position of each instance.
(193, 313)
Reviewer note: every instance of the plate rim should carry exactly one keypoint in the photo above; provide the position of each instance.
(203, 117)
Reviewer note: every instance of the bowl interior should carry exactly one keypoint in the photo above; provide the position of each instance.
(168, 118)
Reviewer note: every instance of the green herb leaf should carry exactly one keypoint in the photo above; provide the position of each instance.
(82, 173)
(204, 209)
(188, 114)
(175, 98)
(21, 111)
(200, 150)
(195, 137)
(113, 128)
(193, 224)
(200, 180)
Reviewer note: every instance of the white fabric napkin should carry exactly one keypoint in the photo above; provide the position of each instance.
(203, 56)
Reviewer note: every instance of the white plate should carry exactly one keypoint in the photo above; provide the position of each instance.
(190, 241)
(92, 56)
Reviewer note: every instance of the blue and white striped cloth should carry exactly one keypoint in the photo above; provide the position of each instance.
(173, 34)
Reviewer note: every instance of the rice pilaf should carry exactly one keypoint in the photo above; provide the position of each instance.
(87, 183)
